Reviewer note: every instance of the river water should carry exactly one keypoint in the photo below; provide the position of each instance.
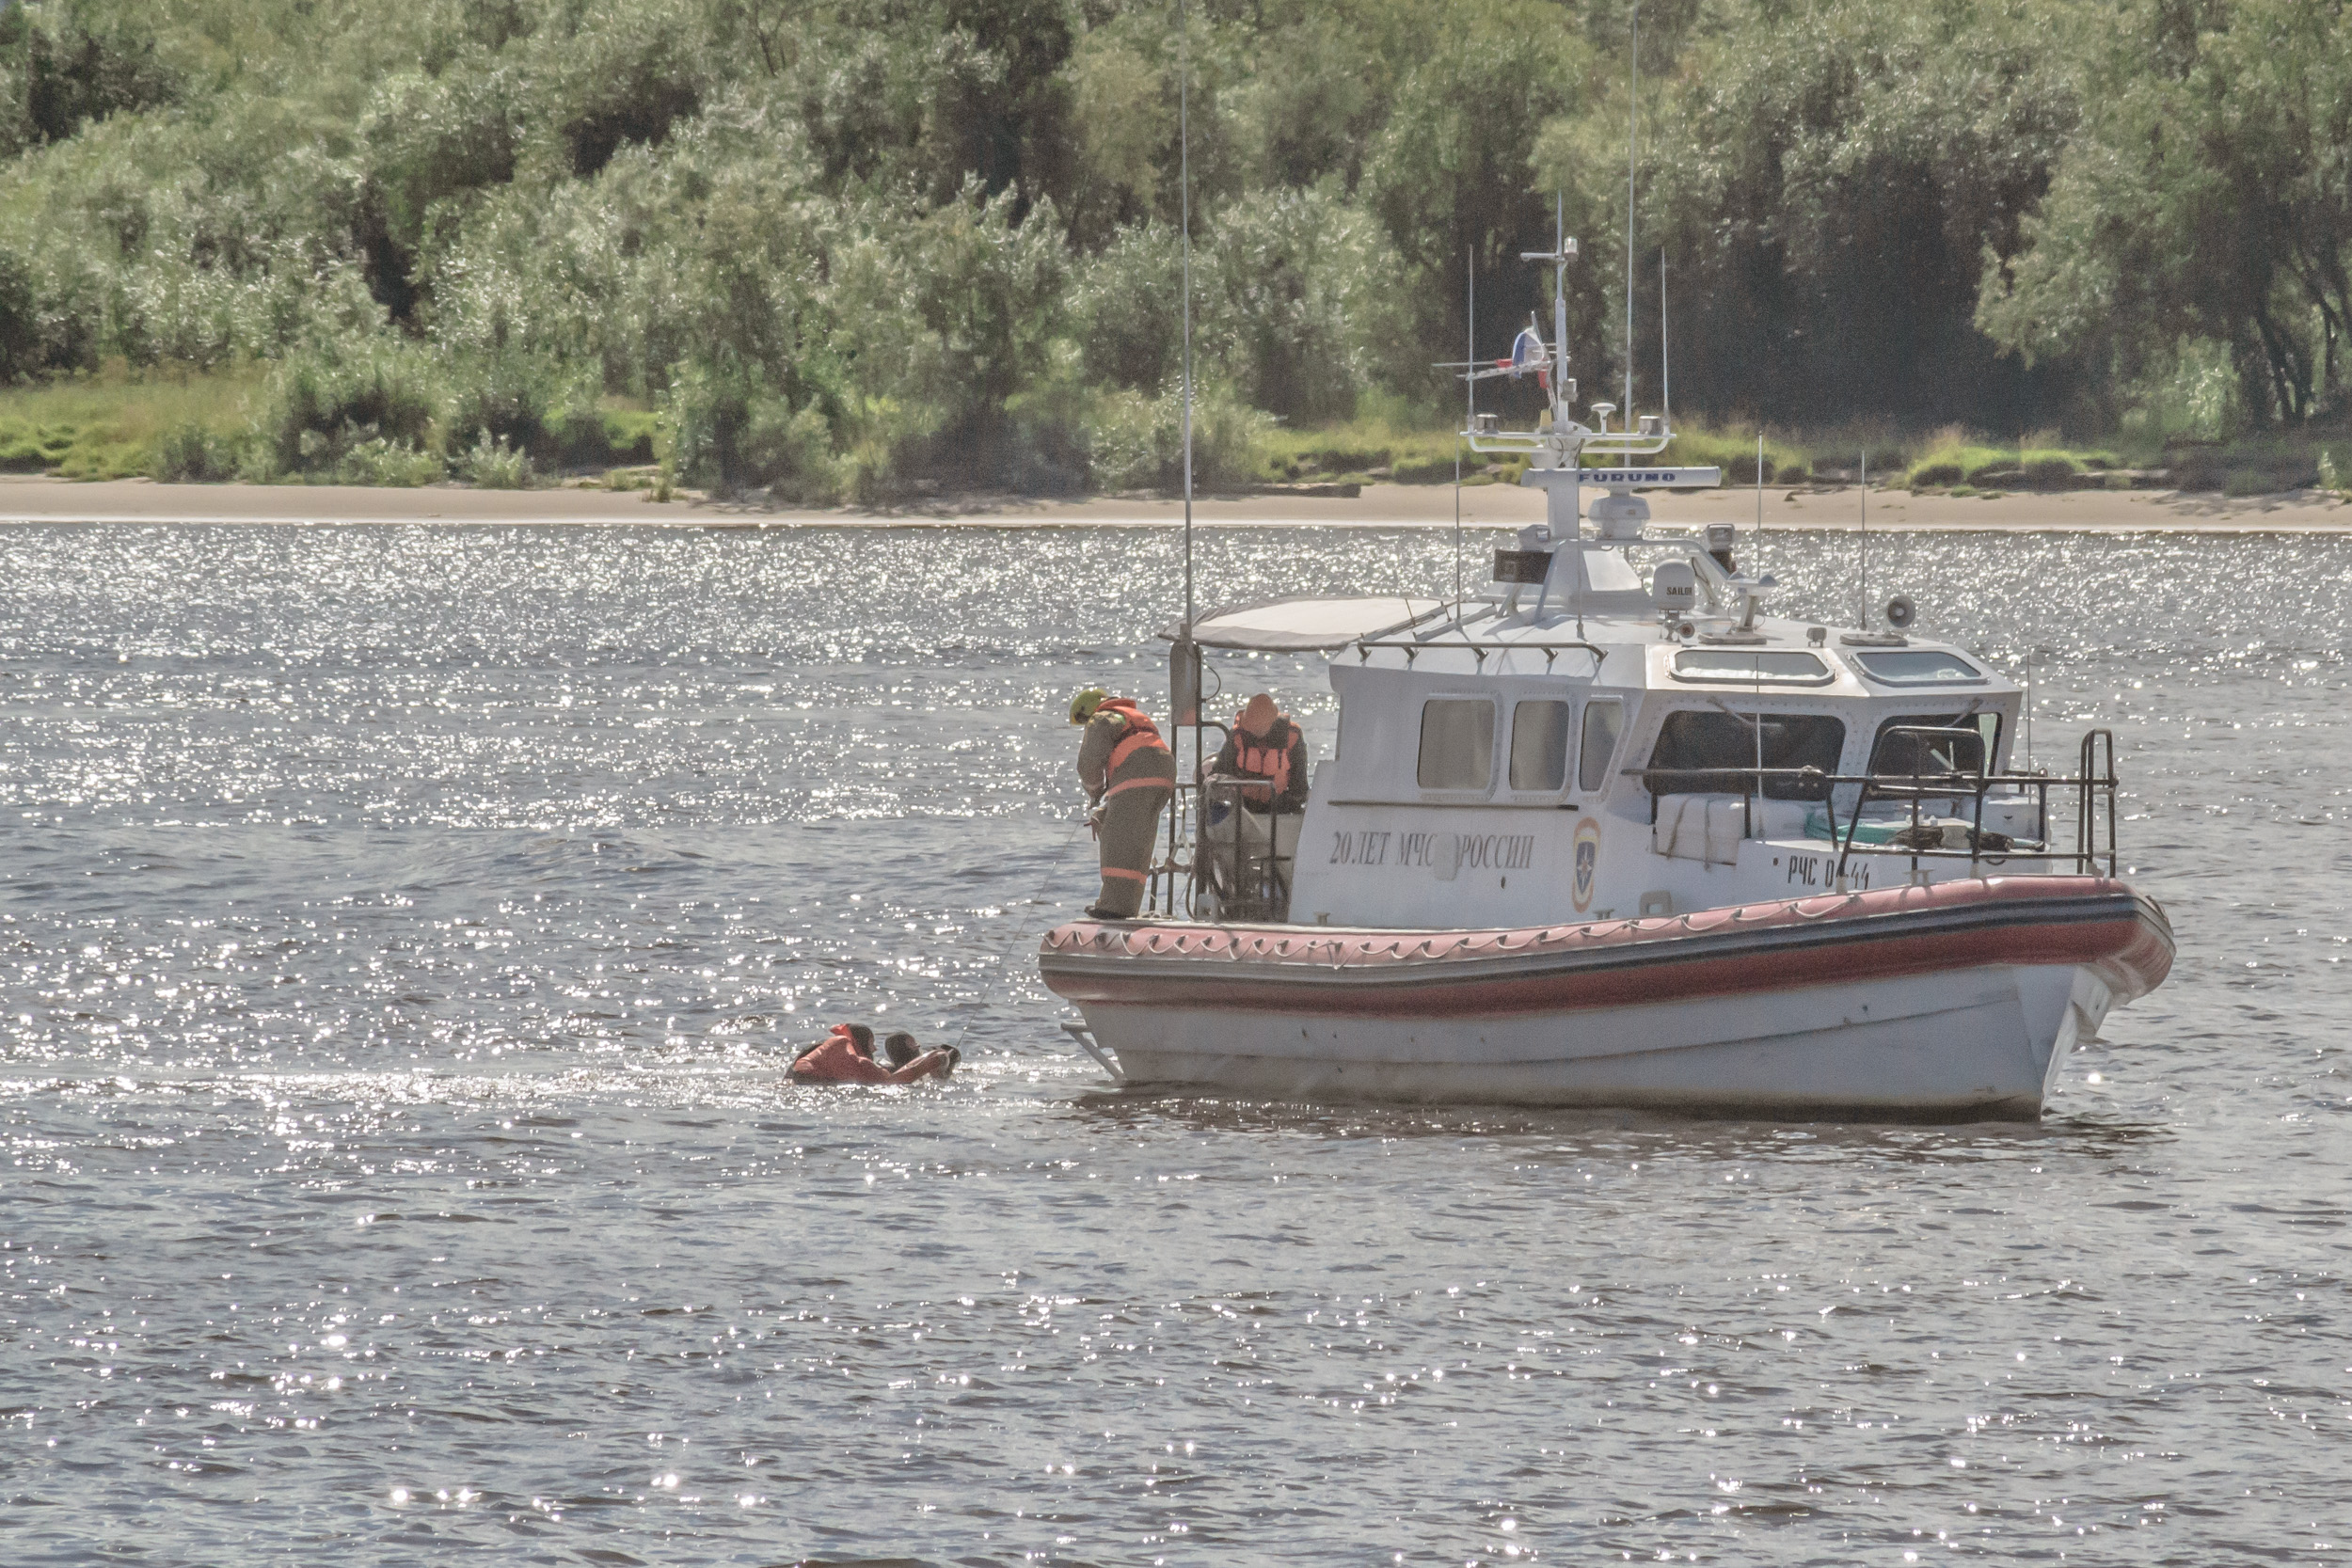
(403, 933)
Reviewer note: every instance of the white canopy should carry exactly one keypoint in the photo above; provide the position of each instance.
(1292, 626)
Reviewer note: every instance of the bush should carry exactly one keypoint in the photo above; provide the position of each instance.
(2200, 469)
(606, 438)
(65, 71)
(525, 401)
(33, 449)
(1303, 297)
(378, 462)
(631, 435)
(191, 454)
(1734, 452)
(2248, 482)
(1935, 473)
(1125, 304)
(1343, 459)
(791, 451)
(733, 434)
(1433, 470)
(329, 402)
(495, 465)
(1136, 442)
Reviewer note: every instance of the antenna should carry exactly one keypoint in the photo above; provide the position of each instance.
(1469, 355)
(1759, 489)
(1183, 142)
(1665, 378)
(1191, 650)
(2045, 827)
(1633, 94)
(1866, 539)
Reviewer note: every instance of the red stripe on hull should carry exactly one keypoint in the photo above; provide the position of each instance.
(1752, 949)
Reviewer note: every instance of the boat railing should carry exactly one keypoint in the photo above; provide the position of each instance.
(1478, 648)
(1251, 881)
(2098, 754)
(1209, 852)
(1174, 883)
(1844, 797)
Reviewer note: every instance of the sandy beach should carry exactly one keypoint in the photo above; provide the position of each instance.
(38, 500)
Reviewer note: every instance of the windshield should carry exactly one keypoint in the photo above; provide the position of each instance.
(1691, 744)
(1893, 753)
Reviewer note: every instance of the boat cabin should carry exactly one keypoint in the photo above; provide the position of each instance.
(1612, 727)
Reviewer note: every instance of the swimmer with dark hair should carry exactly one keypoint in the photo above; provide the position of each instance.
(847, 1056)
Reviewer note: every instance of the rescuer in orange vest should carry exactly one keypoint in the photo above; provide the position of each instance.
(1252, 856)
(1130, 776)
(1265, 744)
(847, 1056)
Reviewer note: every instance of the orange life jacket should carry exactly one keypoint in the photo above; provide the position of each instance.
(1142, 733)
(836, 1059)
(1267, 757)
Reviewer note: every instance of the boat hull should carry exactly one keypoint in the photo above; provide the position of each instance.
(1956, 1001)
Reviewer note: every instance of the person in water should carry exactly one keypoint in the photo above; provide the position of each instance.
(1130, 776)
(847, 1056)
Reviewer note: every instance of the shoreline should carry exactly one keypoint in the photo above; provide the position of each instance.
(39, 502)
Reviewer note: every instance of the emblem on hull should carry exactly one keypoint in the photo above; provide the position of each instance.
(1587, 862)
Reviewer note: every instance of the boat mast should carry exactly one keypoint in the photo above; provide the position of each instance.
(1470, 380)
(1185, 672)
(1559, 312)
(1183, 142)
(1632, 134)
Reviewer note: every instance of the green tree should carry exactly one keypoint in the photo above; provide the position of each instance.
(2209, 195)
(1825, 183)
(1452, 174)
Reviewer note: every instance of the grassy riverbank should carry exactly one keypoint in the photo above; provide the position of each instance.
(235, 424)
(113, 425)
(242, 422)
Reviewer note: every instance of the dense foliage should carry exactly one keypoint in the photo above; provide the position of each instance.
(853, 247)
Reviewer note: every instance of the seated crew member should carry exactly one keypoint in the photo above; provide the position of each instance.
(847, 1056)
(1130, 776)
(1265, 747)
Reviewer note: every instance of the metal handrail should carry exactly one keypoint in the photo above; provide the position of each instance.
(1919, 787)
(2095, 743)
(1266, 877)
(1183, 808)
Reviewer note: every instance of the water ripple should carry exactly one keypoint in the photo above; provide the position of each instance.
(405, 934)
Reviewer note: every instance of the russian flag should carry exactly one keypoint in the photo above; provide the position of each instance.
(1527, 352)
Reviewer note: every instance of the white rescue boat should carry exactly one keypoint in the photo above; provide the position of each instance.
(1605, 833)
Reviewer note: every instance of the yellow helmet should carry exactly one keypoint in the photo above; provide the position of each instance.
(1082, 706)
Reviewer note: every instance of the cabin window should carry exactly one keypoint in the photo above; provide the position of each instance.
(1691, 744)
(1540, 746)
(1457, 743)
(1603, 722)
(1920, 754)
(1917, 667)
